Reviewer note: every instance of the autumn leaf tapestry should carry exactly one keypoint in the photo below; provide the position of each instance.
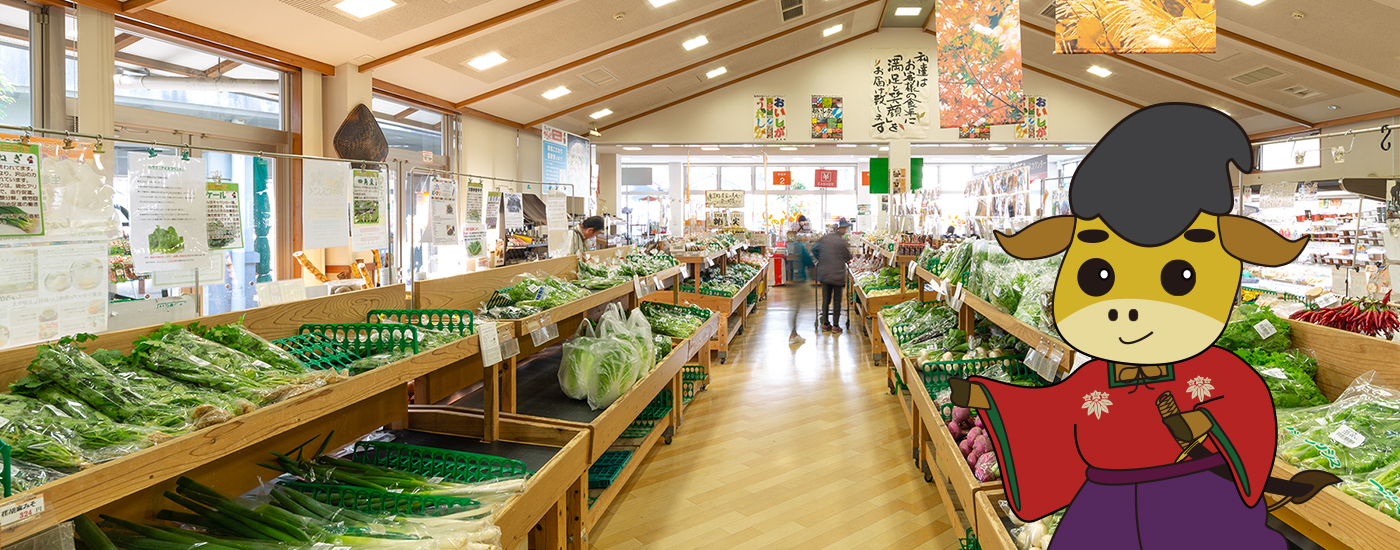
(979, 62)
(1134, 26)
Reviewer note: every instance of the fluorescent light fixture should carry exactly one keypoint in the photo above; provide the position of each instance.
(908, 12)
(487, 61)
(662, 146)
(846, 145)
(709, 148)
(1099, 71)
(364, 8)
(1253, 2)
(556, 93)
(832, 30)
(600, 114)
(716, 72)
(997, 148)
(1076, 148)
(695, 42)
(631, 148)
(884, 148)
(788, 148)
(659, 3)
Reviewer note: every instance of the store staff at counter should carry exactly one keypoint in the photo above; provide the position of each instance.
(585, 232)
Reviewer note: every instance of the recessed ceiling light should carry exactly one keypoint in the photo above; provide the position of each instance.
(717, 72)
(659, 3)
(908, 12)
(1253, 2)
(1099, 71)
(364, 8)
(556, 93)
(788, 148)
(487, 61)
(884, 148)
(846, 145)
(1076, 148)
(832, 30)
(1332, 107)
(997, 148)
(600, 114)
(632, 148)
(695, 42)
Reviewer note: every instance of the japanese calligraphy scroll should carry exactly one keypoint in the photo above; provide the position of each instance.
(770, 118)
(1034, 124)
(826, 117)
(1135, 26)
(979, 62)
(900, 93)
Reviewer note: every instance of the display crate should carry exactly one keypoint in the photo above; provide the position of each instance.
(460, 321)
(316, 351)
(372, 501)
(605, 470)
(455, 466)
(936, 373)
(646, 421)
(366, 339)
(693, 372)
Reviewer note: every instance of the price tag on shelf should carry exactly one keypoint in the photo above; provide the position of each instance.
(957, 300)
(685, 271)
(533, 324)
(490, 342)
(709, 262)
(640, 286)
(913, 265)
(544, 334)
(510, 347)
(1265, 329)
(1079, 360)
(657, 279)
(1356, 284)
(1057, 355)
(1327, 300)
(26, 508)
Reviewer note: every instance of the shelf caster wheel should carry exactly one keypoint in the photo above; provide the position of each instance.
(890, 383)
(668, 434)
(668, 442)
(928, 474)
(740, 333)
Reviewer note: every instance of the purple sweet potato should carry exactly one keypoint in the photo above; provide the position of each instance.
(962, 415)
(977, 421)
(973, 457)
(983, 440)
(955, 431)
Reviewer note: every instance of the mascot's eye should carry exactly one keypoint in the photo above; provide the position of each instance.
(1178, 277)
(1095, 277)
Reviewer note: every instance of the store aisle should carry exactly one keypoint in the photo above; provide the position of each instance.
(789, 448)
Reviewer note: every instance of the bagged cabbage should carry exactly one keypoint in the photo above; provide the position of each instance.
(580, 361)
(616, 372)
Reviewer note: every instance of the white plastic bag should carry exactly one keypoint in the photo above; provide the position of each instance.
(576, 369)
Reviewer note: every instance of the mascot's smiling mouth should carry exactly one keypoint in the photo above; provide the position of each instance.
(1138, 340)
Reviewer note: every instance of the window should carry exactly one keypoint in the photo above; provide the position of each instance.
(1285, 155)
(16, 92)
(702, 179)
(736, 178)
(408, 127)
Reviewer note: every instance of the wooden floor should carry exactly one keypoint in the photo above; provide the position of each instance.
(790, 447)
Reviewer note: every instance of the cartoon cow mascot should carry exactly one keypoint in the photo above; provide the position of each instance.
(1164, 441)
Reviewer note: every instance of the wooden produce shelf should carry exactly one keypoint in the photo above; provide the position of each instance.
(892, 351)
(952, 465)
(959, 518)
(987, 523)
(869, 309)
(640, 449)
(1032, 336)
(724, 306)
(1337, 521)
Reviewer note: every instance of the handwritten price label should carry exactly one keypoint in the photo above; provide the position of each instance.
(21, 511)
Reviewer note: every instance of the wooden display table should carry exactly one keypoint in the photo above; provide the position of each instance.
(733, 310)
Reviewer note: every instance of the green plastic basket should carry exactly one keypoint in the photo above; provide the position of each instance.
(707, 291)
(645, 422)
(455, 466)
(693, 372)
(6, 474)
(938, 372)
(317, 351)
(605, 470)
(366, 339)
(688, 389)
(371, 501)
(898, 380)
(753, 297)
(459, 321)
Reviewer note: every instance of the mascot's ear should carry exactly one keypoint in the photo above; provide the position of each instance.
(1041, 239)
(1256, 243)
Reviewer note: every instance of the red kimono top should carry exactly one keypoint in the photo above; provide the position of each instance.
(1045, 437)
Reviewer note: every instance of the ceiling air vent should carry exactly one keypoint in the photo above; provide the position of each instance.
(1301, 92)
(1049, 10)
(1257, 75)
(599, 77)
(791, 9)
(685, 85)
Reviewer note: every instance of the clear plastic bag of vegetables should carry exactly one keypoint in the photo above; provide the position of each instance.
(640, 331)
(237, 337)
(25, 476)
(617, 370)
(65, 365)
(205, 407)
(579, 362)
(1380, 489)
(1254, 327)
(1289, 376)
(178, 353)
(1357, 434)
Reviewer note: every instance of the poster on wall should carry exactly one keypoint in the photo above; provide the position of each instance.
(1034, 125)
(826, 117)
(770, 118)
(169, 216)
(736, 220)
(474, 202)
(493, 210)
(225, 215)
(901, 89)
(826, 178)
(580, 167)
(979, 62)
(442, 193)
(21, 198)
(474, 235)
(75, 196)
(369, 229)
(556, 213)
(325, 193)
(50, 291)
(1128, 26)
(555, 155)
(975, 131)
(515, 210)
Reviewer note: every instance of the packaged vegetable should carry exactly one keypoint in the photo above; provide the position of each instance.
(1254, 327)
(579, 363)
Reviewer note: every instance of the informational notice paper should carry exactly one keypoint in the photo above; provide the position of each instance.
(169, 213)
(474, 202)
(556, 207)
(493, 210)
(443, 194)
(49, 291)
(369, 226)
(325, 194)
(225, 215)
(474, 235)
(515, 210)
(21, 199)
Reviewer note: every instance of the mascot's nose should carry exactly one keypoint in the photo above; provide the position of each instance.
(1112, 315)
(1132, 315)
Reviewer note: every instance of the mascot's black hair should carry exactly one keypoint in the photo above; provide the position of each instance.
(1159, 168)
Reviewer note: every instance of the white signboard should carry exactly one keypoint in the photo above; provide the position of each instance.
(556, 206)
(47, 292)
(169, 228)
(515, 210)
(325, 194)
(369, 223)
(474, 235)
(724, 199)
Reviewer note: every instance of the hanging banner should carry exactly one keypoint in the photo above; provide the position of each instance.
(442, 194)
(556, 212)
(1129, 26)
(770, 118)
(783, 177)
(580, 170)
(76, 197)
(979, 62)
(826, 117)
(724, 199)
(865, 178)
(555, 155)
(474, 234)
(475, 195)
(493, 210)
(325, 199)
(900, 86)
(1034, 125)
(47, 292)
(515, 210)
(169, 216)
(826, 178)
(975, 131)
(21, 198)
(225, 215)
(369, 230)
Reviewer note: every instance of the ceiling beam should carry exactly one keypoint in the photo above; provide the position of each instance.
(126, 39)
(460, 33)
(404, 94)
(884, 9)
(1308, 62)
(706, 61)
(740, 79)
(133, 6)
(1086, 87)
(1192, 83)
(22, 34)
(931, 12)
(404, 113)
(221, 41)
(223, 67)
(609, 51)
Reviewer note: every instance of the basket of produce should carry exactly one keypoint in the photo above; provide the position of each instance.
(677, 321)
(455, 466)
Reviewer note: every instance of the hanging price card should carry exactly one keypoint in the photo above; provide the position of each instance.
(490, 343)
(25, 509)
(1079, 361)
(913, 265)
(657, 279)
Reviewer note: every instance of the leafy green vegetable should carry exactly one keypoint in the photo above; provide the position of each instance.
(237, 337)
(16, 217)
(165, 240)
(1287, 375)
(1240, 333)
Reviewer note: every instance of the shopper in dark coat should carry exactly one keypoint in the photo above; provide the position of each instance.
(832, 253)
(799, 262)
